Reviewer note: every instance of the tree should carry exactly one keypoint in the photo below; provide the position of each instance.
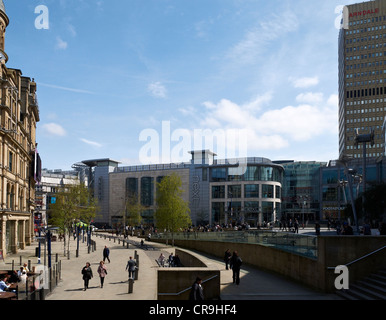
(172, 212)
(133, 211)
(74, 204)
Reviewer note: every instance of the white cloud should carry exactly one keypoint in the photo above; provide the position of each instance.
(54, 129)
(304, 82)
(65, 88)
(60, 44)
(91, 143)
(310, 97)
(276, 128)
(257, 39)
(157, 89)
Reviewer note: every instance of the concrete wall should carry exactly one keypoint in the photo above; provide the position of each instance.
(172, 281)
(332, 251)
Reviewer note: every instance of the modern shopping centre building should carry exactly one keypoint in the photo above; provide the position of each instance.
(232, 191)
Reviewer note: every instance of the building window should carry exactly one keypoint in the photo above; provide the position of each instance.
(218, 192)
(251, 191)
(267, 191)
(219, 174)
(147, 191)
(234, 191)
(10, 161)
(277, 192)
(131, 188)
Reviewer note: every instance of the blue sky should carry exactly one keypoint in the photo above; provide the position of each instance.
(111, 73)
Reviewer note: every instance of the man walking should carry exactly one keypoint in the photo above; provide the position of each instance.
(131, 266)
(235, 265)
(106, 253)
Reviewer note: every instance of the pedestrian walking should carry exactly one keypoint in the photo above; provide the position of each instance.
(235, 264)
(131, 266)
(102, 271)
(197, 291)
(296, 226)
(106, 254)
(227, 257)
(87, 275)
(170, 260)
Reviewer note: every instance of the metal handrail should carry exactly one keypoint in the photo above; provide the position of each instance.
(361, 258)
(187, 289)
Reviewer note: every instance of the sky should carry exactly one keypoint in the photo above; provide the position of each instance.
(146, 81)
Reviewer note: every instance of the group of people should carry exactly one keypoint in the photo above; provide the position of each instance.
(87, 273)
(19, 276)
(172, 260)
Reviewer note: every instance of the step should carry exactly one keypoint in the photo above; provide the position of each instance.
(374, 284)
(378, 276)
(372, 294)
(353, 294)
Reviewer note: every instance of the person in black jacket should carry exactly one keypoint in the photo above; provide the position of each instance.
(197, 292)
(106, 254)
(235, 265)
(227, 257)
(87, 275)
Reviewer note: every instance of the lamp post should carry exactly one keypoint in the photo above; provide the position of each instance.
(349, 173)
(363, 139)
(49, 244)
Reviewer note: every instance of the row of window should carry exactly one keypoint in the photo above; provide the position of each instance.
(365, 56)
(250, 173)
(146, 189)
(355, 66)
(361, 83)
(364, 21)
(360, 93)
(369, 47)
(250, 191)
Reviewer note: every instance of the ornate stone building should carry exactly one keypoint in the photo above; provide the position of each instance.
(19, 160)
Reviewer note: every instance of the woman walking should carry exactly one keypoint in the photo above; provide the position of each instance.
(87, 275)
(102, 272)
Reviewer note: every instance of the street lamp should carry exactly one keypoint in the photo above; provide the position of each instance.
(364, 138)
(349, 173)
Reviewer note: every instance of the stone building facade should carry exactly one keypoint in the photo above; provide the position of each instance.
(19, 159)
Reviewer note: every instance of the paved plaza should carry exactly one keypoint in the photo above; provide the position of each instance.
(254, 285)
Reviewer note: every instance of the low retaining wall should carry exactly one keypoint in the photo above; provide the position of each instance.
(332, 251)
(175, 283)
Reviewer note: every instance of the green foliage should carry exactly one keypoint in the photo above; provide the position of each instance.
(133, 211)
(172, 212)
(73, 203)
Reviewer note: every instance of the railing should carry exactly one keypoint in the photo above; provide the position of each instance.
(304, 245)
(185, 290)
(361, 258)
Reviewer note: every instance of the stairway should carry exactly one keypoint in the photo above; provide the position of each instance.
(372, 287)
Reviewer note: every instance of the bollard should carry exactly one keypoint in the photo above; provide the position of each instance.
(13, 264)
(21, 261)
(127, 244)
(131, 283)
(136, 269)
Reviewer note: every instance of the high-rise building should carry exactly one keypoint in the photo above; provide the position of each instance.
(19, 161)
(362, 77)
